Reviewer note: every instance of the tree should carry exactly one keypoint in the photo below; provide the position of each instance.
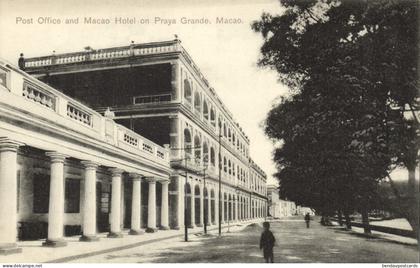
(352, 69)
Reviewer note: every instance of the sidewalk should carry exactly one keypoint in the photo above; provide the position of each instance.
(34, 252)
(380, 235)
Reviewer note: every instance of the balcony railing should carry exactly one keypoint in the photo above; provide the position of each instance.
(146, 99)
(103, 54)
(26, 91)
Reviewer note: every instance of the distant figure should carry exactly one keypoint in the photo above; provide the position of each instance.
(307, 220)
(21, 62)
(267, 243)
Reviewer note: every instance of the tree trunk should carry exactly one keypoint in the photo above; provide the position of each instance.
(410, 212)
(340, 217)
(348, 221)
(365, 221)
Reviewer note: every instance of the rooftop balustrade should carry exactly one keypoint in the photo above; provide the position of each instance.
(27, 93)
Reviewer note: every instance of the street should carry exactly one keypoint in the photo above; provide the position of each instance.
(295, 244)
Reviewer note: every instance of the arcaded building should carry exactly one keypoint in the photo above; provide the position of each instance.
(66, 170)
(160, 105)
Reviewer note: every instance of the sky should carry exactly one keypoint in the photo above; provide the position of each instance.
(227, 54)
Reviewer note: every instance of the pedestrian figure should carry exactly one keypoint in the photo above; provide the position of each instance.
(21, 62)
(307, 220)
(267, 243)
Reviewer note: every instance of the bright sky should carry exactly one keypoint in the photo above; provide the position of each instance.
(226, 54)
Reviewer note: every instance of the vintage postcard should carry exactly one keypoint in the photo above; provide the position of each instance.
(184, 131)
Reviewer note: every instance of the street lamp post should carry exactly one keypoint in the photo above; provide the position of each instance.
(185, 188)
(220, 178)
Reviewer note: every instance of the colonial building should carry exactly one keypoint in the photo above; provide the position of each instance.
(279, 207)
(145, 98)
(65, 169)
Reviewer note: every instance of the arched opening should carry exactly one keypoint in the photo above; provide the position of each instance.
(233, 170)
(197, 150)
(188, 205)
(197, 101)
(197, 204)
(212, 157)
(187, 143)
(224, 130)
(205, 110)
(229, 135)
(206, 206)
(205, 154)
(187, 91)
(213, 206)
(212, 116)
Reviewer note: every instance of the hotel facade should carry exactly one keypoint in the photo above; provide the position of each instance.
(126, 138)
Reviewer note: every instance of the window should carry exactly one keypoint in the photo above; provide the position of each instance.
(212, 156)
(197, 101)
(205, 110)
(212, 116)
(72, 196)
(41, 191)
(4, 77)
(187, 91)
(197, 150)
(187, 143)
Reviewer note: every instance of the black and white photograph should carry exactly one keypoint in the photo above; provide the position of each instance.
(209, 132)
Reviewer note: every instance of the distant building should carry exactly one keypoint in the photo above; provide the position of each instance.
(279, 208)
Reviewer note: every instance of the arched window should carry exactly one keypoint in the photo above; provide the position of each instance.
(230, 167)
(197, 150)
(233, 169)
(224, 130)
(212, 116)
(187, 90)
(212, 157)
(205, 110)
(187, 143)
(224, 164)
(205, 154)
(229, 135)
(233, 139)
(197, 101)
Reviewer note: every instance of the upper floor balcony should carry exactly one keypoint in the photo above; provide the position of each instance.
(20, 91)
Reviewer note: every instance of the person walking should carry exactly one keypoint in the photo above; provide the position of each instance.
(307, 219)
(267, 241)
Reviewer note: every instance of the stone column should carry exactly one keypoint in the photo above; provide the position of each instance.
(136, 205)
(232, 208)
(115, 215)
(222, 199)
(151, 206)
(8, 200)
(164, 211)
(192, 201)
(236, 208)
(200, 224)
(239, 208)
(89, 206)
(56, 206)
(216, 207)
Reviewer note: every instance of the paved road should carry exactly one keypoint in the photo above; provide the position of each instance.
(295, 243)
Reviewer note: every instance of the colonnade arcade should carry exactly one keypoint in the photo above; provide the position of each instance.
(56, 200)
